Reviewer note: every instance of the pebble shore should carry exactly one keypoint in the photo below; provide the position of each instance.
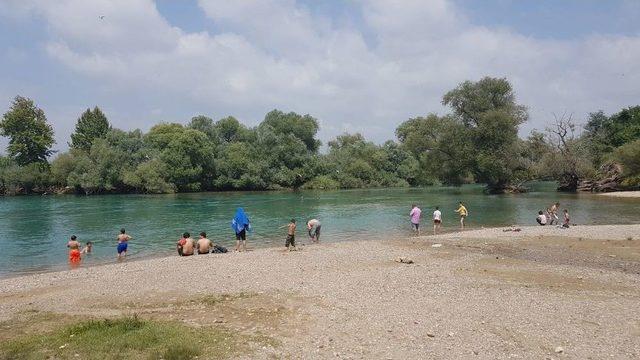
(537, 293)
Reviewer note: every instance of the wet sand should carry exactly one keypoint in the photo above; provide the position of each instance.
(482, 294)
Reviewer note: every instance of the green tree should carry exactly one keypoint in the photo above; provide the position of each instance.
(629, 156)
(91, 125)
(491, 117)
(605, 133)
(303, 127)
(30, 136)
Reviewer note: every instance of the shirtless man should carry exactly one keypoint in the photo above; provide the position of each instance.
(204, 245)
(123, 243)
(74, 250)
(313, 226)
(291, 235)
(185, 245)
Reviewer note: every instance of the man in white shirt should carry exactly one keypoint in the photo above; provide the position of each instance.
(437, 220)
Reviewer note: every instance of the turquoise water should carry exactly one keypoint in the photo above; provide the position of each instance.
(34, 230)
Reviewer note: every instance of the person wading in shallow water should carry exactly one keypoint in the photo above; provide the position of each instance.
(462, 211)
(74, 250)
(415, 215)
(123, 244)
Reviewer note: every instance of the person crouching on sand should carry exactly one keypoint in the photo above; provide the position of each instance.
(74, 250)
(541, 219)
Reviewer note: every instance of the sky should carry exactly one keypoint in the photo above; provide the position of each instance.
(355, 65)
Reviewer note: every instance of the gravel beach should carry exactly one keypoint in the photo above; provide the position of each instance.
(537, 293)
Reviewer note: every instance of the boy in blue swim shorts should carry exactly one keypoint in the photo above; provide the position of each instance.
(123, 243)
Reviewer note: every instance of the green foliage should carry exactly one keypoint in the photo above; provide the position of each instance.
(91, 125)
(30, 136)
(303, 127)
(605, 133)
(322, 182)
(629, 156)
(15, 179)
(491, 117)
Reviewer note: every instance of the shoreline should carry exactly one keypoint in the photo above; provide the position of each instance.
(622, 194)
(471, 232)
(483, 293)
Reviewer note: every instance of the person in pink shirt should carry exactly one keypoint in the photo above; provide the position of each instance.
(415, 218)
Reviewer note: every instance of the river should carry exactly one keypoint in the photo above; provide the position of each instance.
(34, 229)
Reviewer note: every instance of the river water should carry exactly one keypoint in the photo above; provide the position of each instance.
(34, 229)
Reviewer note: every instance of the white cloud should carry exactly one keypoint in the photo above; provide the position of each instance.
(279, 54)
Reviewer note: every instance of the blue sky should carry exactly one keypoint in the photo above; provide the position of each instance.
(358, 66)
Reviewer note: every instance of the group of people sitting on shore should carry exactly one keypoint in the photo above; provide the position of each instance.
(550, 216)
(416, 215)
(187, 246)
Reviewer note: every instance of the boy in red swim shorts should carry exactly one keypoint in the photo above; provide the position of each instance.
(74, 250)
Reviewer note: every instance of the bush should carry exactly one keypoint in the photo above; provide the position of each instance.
(322, 182)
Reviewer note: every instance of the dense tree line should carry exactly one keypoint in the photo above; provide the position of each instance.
(477, 142)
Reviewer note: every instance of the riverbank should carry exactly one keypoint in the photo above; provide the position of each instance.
(486, 294)
(622, 194)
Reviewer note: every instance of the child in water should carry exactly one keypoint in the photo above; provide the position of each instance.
(87, 248)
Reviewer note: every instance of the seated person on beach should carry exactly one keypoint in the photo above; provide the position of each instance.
(87, 248)
(204, 245)
(314, 226)
(291, 235)
(185, 245)
(74, 249)
(566, 219)
(541, 219)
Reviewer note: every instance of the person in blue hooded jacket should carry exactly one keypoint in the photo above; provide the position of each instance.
(240, 224)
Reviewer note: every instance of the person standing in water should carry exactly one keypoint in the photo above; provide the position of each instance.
(462, 211)
(415, 218)
(290, 242)
(314, 226)
(240, 224)
(74, 250)
(437, 220)
(123, 244)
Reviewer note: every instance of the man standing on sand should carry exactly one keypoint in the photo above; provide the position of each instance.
(415, 218)
(462, 211)
(185, 245)
(437, 220)
(123, 244)
(314, 226)
(204, 245)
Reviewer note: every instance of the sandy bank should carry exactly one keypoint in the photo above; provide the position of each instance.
(622, 194)
(508, 295)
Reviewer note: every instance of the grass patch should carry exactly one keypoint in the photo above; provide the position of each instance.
(124, 338)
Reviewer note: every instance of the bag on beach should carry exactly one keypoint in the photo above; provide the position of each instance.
(217, 249)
